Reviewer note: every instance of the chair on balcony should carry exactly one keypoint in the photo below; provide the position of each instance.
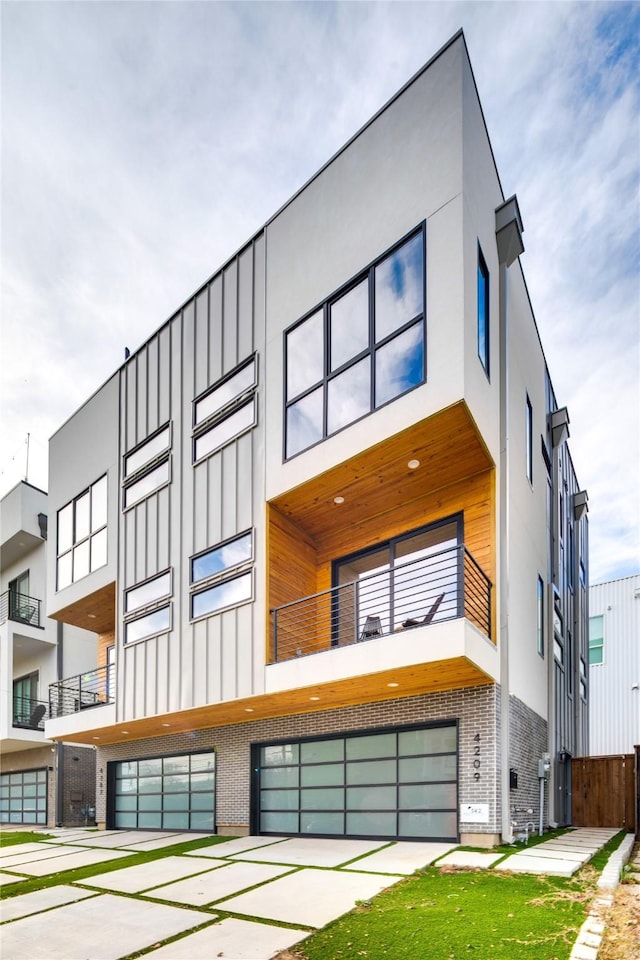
(372, 628)
(37, 714)
(407, 624)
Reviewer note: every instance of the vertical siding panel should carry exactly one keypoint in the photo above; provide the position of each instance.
(142, 425)
(200, 675)
(129, 547)
(164, 373)
(214, 660)
(244, 482)
(151, 667)
(229, 490)
(244, 650)
(162, 499)
(214, 502)
(215, 329)
(245, 303)
(201, 343)
(151, 543)
(199, 526)
(159, 683)
(153, 421)
(130, 410)
(230, 318)
(229, 672)
(258, 291)
(129, 670)
(139, 571)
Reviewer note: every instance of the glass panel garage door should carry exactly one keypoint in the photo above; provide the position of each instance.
(399, 783)
(23, 797)
(164, 793)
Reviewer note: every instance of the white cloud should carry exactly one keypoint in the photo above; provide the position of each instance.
(143, 143)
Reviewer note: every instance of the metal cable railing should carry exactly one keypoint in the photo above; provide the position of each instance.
(29, 714)
(92, 689)
(440, 586)
(20, 608)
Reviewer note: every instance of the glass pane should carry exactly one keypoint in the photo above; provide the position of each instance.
(202, 821)
(30, 790)
(175, 765)
(436, 825)
(428, 796)
(99, 504)
(305, 355)
(30, 776)
(126, 803)
(377, 771)
(222, 595)
(127, 786)
(221, 558)
(430, 740)
(42, 789)
(177, 783)
(378, 745)
(320, 750)
(372, 824)
(423, 769)
(148, 592)
(349, 395)
(349, 325)
(82, 517)
(220, 396)
(150, 784)
(149, 626)
(304, 423)
(322, 823)
(149, 820)
(225, 431)
(322, 799)
(280, 754)
(483, 315)
(203, 781)
(278, 799)
(29, 818)
(128, 768)
(152, 448)
(371, 798)
(176, 801)
(64, 571)
(65, 528)
(151, 767)
(152, 802)
(175, 821)
(98, 550)
(126, 820)
(399, 364)
(81, 561)
(279, 822)
(279, 777)
(202, 801)
(326, 774)
(399, 288)
(147, 484)
(203, 761)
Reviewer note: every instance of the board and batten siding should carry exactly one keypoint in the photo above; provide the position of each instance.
(614, 719)
(220, 657)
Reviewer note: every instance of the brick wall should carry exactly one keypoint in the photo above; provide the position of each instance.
(528, 741)
(476, 710)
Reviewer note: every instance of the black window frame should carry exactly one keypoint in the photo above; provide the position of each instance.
(247, 395)
(329, 375)
(529, 438)
(156, 460)
(540, 616)
(88, 538)
(218, 578)
(483, 273)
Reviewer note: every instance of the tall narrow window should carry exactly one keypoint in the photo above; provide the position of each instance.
(540, 616)
(82, 535)
(483, 312)
(596, 639)
(529, 439)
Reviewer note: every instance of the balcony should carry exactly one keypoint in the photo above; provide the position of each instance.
(29, 714)
(82, 692)
(20, 608)
(446, 585)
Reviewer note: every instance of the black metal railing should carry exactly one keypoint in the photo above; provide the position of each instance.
(29, 714)
(86, 690)
(441, 586)
(19, 607)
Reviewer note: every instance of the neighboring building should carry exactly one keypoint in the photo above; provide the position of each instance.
(325, 519)
(614, 666)
(40, 782)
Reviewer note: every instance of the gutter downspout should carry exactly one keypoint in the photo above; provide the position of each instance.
(509, 243)
(59, 745)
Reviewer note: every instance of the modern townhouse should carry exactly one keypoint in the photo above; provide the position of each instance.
(325, 520)
(41, 782)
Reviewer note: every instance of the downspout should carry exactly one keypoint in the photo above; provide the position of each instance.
(59, 745)
(509, 243)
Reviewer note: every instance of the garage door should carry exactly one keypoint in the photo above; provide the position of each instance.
(23, 797)
(399, 783)
(163, 793)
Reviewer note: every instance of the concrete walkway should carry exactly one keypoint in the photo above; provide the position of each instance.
(262, 881)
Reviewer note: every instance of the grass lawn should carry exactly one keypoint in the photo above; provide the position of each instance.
(10, 837)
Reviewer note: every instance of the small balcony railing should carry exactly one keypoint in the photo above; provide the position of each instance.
(86, 690)
(20, 608)
(29, 714)
(445, 585)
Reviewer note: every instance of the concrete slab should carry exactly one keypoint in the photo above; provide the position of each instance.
(517, 863)
(6, 879)
(65, 834)
(580, 856)
(77, 931)
(157, 843)
(153, 874)
(234, 939)
(14, 849)
(313, 852)
(70, 861)
(28, 903)
(106, 838)
(469, 858)
(240, 844)
(310, 897)
(9, 860)
(216, 884)
(402, 857)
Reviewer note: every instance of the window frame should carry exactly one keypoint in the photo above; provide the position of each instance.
(529, 438)
(88, 538)
(370, 352)
(208, 423)
(134, 611)
(482, 273)
(141, 616)
(219, 578)
(540, 616)
(154, 462)
(599, 646)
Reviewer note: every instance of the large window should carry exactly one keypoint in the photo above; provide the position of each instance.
(82, 535)
(147, 467)
(362, 348)
(223, 576)
(596, 639)
(225, 411)
(163, 793)
(483, 312)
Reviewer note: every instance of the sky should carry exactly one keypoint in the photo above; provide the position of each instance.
(144, 142)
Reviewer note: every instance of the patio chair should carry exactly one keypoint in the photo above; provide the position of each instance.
(407, 624)
(372, 628)
(37, 714)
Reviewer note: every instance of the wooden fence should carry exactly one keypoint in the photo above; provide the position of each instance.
(604, 792)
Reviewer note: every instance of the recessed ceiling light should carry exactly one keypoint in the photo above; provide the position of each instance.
(338, 500)
(166, 724)
(95, 738)
(248, 709)
(314, 698)
(125, 733)
(413, 464)
(393, 684)
(91, 616)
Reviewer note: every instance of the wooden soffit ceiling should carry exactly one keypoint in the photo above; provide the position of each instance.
(96, 612)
